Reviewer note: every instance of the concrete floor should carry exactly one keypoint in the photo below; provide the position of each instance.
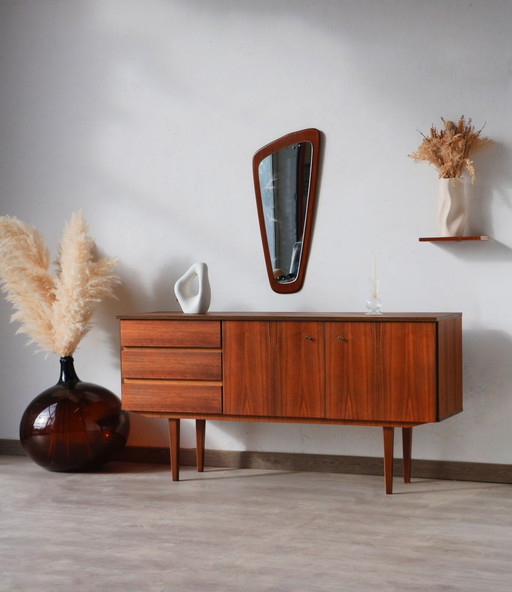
(130, 528)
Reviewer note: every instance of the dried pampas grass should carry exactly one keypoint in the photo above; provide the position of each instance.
(448, 149)
(55, 311)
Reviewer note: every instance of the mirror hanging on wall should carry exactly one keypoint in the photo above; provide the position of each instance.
(285, 181)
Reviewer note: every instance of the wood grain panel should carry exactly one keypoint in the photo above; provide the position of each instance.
(360, 317)
(274, 368)
(173, 396)
(299, 360)
(409, 370)
(171, 333)
(171, 363)
(275, 419)
(247, 368)
(450, 367)
(381, 371)
(350, 352)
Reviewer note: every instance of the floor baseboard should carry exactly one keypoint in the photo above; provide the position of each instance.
(324, 463)
(11, 448)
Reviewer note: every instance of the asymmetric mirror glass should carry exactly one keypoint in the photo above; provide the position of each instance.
(285, 179)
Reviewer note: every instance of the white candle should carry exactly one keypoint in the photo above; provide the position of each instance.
(373, 282)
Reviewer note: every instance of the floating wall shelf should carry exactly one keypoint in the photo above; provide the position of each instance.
(436, 239)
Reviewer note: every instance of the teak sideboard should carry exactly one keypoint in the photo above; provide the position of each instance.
(393, 371)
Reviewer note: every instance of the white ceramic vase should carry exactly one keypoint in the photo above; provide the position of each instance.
(191, 302)
(451, 210)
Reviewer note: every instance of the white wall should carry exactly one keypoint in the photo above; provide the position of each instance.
(146, 114)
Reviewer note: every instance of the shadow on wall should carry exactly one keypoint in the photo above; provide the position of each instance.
(134, 296)
(487, 368)
(493, 181)
(477, 251)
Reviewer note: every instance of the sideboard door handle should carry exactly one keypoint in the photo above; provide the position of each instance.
(340, 338)
(308, 338)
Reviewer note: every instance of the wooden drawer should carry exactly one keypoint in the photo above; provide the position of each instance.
(148, 333)
(172, 397)
(177, 364)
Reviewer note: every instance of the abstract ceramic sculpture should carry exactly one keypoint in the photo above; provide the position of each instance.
(191, 302)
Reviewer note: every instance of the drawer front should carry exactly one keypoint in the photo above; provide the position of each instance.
(186, 364)
(163, 397)
(147, 333)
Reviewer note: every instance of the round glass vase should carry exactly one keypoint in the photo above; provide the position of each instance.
(74, 425)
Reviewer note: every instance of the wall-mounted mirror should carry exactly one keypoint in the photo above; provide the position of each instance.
(285, 180)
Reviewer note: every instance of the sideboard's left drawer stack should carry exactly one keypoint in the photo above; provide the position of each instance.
(171, 366)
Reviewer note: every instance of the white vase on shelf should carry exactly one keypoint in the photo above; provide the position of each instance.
(194, 302)
(451, 209)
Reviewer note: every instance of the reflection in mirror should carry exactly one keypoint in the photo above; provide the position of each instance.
(285, 177)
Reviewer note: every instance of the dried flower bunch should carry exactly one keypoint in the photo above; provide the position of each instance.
(448, 149)
(54, 310)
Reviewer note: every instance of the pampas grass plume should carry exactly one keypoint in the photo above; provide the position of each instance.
(54, 310)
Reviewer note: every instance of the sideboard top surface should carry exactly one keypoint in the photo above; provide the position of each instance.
(299, 316)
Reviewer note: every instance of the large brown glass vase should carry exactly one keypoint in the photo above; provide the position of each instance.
(74, 425)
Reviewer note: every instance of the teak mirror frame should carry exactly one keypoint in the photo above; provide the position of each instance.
(313, 136)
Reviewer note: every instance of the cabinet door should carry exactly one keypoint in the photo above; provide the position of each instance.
(381, 371)
(247, 368)
(300, 375)
(273, 368)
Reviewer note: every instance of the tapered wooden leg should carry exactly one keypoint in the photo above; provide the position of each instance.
(389, 434)
(174, 442)
(200, 432)
(407, 448)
